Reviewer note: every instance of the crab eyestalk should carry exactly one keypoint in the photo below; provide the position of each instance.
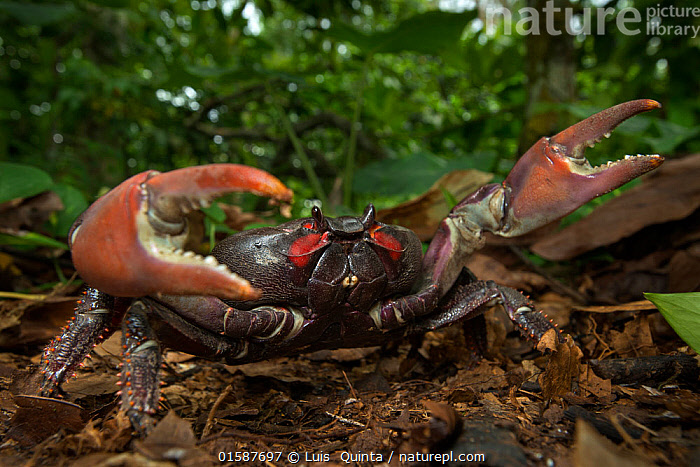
(130, 242)
(553, 178)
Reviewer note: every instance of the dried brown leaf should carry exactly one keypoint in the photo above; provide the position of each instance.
(237, 219)
(172, 439)
(684, 270)
(635, 340)
(631, 306)
(424, 213)
(549, 341)
(487, 268)
(562, 369)
(37, 418)
(593, 384)
(443, 412)
(96, 384)
(594, 450)
(29, 213)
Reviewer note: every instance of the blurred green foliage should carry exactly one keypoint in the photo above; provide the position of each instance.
(382, 97)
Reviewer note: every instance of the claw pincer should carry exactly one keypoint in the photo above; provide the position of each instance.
(553, 178)
(130, 242)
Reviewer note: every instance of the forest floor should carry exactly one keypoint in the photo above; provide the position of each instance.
(623, 390)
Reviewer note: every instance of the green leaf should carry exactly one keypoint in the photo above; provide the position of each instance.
(22, 181)
(410, 175)
(344, 32)
(429, 33)
(215, 213)
(449, 198)
(31, 239)
(74, 203)
(38, 14)
(672, 135)
(682, 311)
(113, 3)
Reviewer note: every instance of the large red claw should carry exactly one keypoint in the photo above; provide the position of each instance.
(554, 178)
(129, 242)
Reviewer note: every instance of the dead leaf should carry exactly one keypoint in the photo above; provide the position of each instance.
(172, 357)
(553, 414)
(172, 439)
(562, 369)
(684, 270)
(37, 418)
(487, 268)
(237, 219)
(444, 413)
(593, 384)
(117, 431)
(593, 450)
(29, 213)
(495, 405)
(96, 384)
(424, 213)
(342, 355)
(444, 426)
(635, 340)
(30, 321)
(549, 341)
(640, 305)
(465, 394)
(686, 406)
(281, 369)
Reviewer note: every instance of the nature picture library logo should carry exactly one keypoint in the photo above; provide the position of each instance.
(629, 20)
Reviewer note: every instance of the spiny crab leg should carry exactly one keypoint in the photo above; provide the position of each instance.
(130, 242)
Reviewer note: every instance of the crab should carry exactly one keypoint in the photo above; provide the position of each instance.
(308, 284)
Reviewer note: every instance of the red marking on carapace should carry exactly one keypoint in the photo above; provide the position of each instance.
(387, 241)
(301, 250)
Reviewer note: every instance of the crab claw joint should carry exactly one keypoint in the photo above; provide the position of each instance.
(553, 178)
(129, 242)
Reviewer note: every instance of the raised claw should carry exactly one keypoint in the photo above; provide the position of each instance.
(553, 178)
(130, 242)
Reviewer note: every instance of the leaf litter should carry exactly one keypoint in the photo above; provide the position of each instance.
(622, 391)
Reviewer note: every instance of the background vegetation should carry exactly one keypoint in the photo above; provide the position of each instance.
(346, 100)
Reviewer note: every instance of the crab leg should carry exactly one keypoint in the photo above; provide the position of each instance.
(130, 242)
(140, 380)
(551, 180)
(467, 300)
(93, 322)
